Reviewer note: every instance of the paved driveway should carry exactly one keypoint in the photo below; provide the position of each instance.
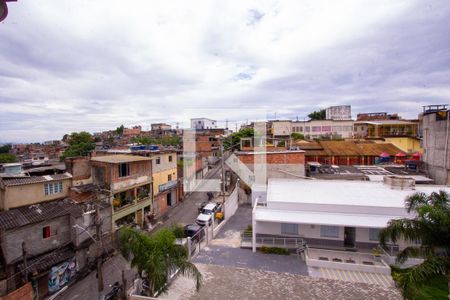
(225, 250)
(245, 258)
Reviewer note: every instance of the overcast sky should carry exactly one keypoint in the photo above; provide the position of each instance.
(70, 65)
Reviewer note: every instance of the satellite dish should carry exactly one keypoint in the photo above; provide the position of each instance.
(3, 10)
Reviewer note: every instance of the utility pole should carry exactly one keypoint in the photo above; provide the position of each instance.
(222, 162)
(25, 263)
(98, 229)
(124, 286)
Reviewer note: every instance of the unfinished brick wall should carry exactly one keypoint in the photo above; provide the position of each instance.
(25, 292)
(79, 167)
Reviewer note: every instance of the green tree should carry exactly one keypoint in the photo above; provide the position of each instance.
(232, 142)
(430, 226)
(171, 141)
(7, 158)
(297, 136)
(119, 130)
(5, 148)
(156, 255)
(80, 144)
(318, 115)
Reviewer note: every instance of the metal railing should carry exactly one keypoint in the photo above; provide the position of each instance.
(273, 241)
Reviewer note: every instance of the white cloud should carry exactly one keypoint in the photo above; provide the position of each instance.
(92, 65)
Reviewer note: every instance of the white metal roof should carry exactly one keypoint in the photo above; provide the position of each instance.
(341, 192)
(263, 214)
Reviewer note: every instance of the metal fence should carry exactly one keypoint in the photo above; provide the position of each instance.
(273, 241)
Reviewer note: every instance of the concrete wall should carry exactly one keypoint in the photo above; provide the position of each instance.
(32, 236)
(434, 143)
(140, 172)
(28, 194)
(87, 221)
(79, 167)
(281, 128)
(343, 129)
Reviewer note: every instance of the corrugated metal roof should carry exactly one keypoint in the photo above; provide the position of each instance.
(35, 179)
(45, 262)
(350, 148)
(39, 212)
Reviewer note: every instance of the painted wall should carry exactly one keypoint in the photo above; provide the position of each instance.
(406, 144)
(162, 170)
(28, 194)
(32, 235)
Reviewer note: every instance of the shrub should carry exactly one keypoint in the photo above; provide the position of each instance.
(249, 229)
(274, 250)
(177, 230)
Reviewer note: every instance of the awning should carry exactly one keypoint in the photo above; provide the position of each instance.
(323, 218)
(384, 154)
(45, 262)
(400, 154)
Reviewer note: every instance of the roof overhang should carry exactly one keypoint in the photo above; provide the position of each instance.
(322, 218)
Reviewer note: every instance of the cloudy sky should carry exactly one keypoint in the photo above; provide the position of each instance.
(92, 65)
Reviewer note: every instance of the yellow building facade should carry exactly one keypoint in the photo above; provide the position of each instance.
(164, 170)
(406, 144)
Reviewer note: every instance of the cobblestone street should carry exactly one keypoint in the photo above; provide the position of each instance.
(238, 283)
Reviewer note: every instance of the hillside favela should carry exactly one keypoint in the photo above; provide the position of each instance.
(224, 150)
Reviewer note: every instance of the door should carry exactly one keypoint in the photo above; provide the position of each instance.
(349, 237)
(169, 199)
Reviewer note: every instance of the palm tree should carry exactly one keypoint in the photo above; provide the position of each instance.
(431, 227)
(156, 256)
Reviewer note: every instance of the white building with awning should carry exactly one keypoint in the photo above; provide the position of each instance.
(334, 214)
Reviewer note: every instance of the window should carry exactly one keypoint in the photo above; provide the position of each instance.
(329, 231)
(169, 177)
(289, 228)
(124, 170)
(158, 160)
(47, 232)
(373, 234)
(53, 188)
(316, 128)
(170, 158)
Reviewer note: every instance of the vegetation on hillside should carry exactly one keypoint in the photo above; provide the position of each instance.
(80, 144)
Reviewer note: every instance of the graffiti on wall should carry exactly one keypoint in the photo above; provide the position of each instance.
(61, 274)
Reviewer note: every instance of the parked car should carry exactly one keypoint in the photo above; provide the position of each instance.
(205, 217)
(194, 231)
